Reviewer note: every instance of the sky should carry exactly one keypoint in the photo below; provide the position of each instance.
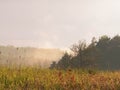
(57, 23)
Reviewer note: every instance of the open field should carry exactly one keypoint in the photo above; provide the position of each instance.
(44, 79)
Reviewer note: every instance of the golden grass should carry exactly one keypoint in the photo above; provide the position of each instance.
(45, 79)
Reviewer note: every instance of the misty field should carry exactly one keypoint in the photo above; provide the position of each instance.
(44, 79)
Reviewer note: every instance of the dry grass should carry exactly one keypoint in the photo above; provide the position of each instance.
(39, 79)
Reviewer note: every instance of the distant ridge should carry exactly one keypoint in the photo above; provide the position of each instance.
(10, 55)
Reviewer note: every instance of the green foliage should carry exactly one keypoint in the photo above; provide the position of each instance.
(103, 54)
(84, 56)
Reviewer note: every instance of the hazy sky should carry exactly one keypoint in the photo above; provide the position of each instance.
(56, 23)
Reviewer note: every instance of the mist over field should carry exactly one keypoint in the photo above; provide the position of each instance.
(27, 56)
(56, 24)
(59, 44)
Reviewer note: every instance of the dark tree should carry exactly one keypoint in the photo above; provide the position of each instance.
(53, 65)
(103, 54)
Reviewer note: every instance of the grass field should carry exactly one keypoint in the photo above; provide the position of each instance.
(44, 79)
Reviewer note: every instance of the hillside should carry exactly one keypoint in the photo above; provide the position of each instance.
(28, 56)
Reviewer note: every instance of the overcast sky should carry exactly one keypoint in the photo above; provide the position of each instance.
(56, 23)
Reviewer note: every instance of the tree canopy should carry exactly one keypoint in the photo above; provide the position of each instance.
(102, 54)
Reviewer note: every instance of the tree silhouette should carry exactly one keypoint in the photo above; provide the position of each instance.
(103, 54)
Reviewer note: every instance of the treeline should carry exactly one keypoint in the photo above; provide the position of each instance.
(102, 54)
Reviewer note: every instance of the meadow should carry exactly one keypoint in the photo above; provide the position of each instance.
(31, 78)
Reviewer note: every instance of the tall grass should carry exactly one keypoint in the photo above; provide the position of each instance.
(30, 78)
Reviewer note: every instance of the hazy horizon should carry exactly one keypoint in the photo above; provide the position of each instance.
(56, 23)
